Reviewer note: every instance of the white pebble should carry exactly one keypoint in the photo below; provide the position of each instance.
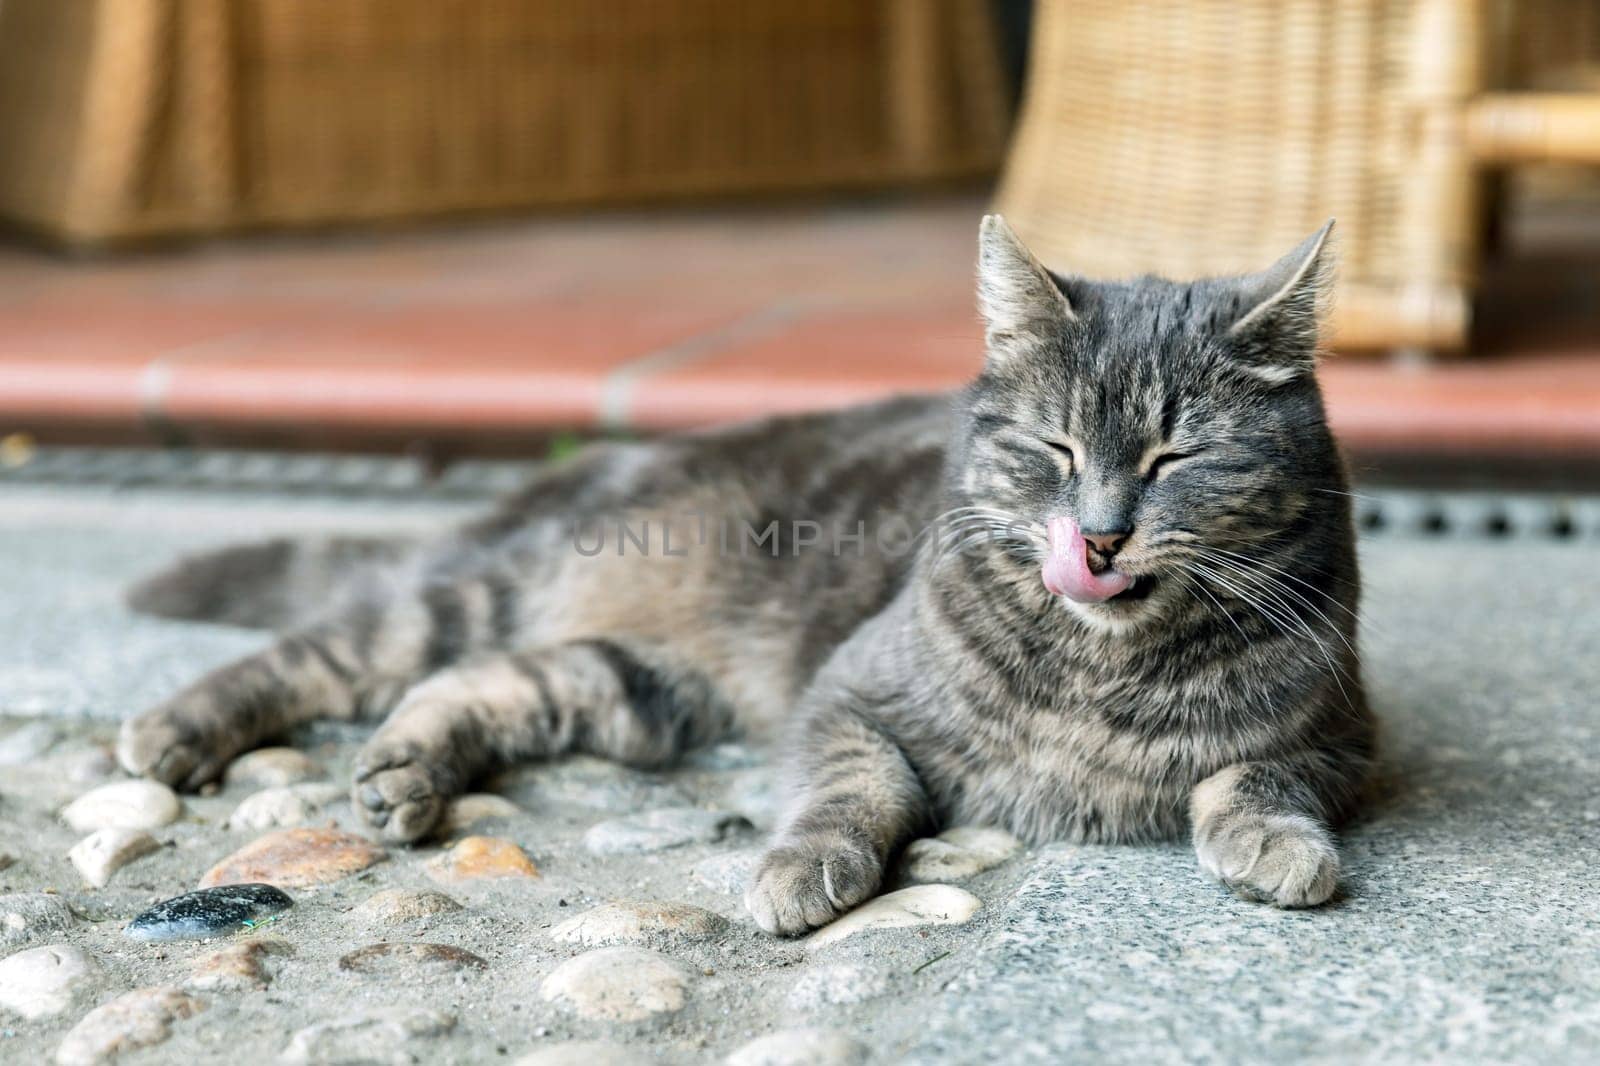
(42, 982)
(802, 1047)
(271, 768)
(133, 1020)
(632, 921)
(467, 811)
(918, 905)
(123, 805)
(105, 851)
(281, 808)
(618, 985)
(394, 906)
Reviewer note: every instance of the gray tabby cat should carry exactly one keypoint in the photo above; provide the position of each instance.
(1135, 615)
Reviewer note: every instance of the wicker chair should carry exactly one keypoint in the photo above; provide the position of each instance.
(127, 118)
(1188, 138)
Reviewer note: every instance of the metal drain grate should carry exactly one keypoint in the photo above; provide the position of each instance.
(1380, 512)
(272, 472)
(1413, 513)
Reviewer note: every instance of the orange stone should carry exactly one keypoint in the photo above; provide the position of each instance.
(477, 858)
(295, 858)
(239, 967)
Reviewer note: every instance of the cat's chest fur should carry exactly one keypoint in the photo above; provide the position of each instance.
(1078, 746)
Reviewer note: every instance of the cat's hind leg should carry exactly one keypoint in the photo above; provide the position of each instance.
(356, 661)
(601, 697)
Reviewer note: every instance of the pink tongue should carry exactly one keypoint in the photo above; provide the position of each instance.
(1066, 568)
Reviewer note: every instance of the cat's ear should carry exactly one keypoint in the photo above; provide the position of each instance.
(1280, 310)
(1018, 297)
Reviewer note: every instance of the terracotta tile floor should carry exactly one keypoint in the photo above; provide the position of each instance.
(648, 322)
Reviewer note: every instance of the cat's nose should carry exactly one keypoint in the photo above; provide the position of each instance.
(1107, 543)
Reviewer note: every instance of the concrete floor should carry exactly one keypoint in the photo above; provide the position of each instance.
(1468, 931)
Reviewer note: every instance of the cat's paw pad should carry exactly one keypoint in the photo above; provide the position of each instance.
(397, 792)
(801, 887)
(169, 747)
(1285, 860)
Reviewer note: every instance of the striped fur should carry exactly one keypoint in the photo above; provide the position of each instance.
(915, 688)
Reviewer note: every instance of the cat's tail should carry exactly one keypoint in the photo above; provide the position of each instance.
(263, 585)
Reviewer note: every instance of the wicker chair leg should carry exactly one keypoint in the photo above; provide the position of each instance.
(1535, 128)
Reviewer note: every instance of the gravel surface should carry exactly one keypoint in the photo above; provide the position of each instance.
(1467, 931)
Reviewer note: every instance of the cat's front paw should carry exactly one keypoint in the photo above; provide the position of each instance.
(1283, 859)
(799, 887)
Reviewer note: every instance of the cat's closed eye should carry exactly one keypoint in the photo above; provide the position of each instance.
(1066, 452)
(1163, 464)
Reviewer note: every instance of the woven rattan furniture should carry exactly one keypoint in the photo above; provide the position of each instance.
(1187, 137)
(123, 118)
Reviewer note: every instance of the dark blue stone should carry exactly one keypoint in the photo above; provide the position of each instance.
(208, 912)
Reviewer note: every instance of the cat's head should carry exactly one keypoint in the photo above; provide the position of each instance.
(1136, 425)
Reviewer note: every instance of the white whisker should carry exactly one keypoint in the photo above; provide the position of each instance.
(1277, 589)
(1277, 619)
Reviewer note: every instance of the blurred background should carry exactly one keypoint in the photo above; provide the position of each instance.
(455, 230)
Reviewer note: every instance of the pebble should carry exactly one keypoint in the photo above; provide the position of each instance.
(585, 781)
(296, 858)
(239, 967)
(123, 805)
(618, 985)
(480, 858)
(394, 906)
(802, 1047)
(41, 982)
(283, 806)
(388, 959)
(378, 1037)
(105, 851)
(133, 1020)
(659, 830)
(271, 768)
(27, 743)
(585, 1053)
(467, 811)
(635, 921)
(957, 854)
(918, 905)
(728, 873)
(208, 912)
(837, 986)
(26, 916)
